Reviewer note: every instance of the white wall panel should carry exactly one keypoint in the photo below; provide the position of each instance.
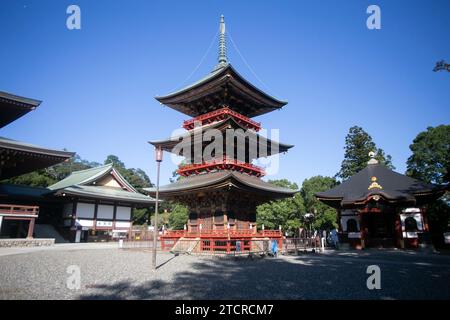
(123, 213)
(121, 224)
(85, 210)
(105, 212)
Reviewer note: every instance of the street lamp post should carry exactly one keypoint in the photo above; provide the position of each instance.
(159, 157)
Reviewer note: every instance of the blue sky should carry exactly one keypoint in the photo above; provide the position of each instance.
(97, 84)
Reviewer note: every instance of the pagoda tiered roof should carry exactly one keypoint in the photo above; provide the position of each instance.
(273, 147)
(224, 179)
(222, 100)
(222, 87)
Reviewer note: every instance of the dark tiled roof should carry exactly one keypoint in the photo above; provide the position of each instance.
(13, 107)
(222, 179)
(15, 190)
(21, 157)
(390, 185)
(169, 143)
(215, 82)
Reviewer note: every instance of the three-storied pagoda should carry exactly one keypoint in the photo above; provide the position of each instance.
(223, 191)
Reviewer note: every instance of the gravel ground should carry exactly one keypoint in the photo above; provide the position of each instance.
(126, 274)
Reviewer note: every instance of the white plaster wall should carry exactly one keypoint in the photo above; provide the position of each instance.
(123, 213)
(344, 220)
(85, 210)
(105, 212)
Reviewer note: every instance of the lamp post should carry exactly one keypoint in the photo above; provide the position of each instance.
(159, 157)
(308, 218)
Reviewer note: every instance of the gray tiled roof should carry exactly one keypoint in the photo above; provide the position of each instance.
(82, 177)
(221, 179)
(103, 192)
(80, 183)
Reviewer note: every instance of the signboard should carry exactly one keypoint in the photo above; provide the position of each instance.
(123, 224)
(354, 235)
(84, 222)
(104, 223)
(410, 235)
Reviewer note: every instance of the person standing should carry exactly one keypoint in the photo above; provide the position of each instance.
(335, 238)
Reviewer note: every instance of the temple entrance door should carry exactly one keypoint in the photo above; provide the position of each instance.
(206, 219)
(380, 229)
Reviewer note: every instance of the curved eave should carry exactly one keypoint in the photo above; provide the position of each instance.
(280, 103)
(19, 100)
(75, 179)
(224, 180)
(213, 83)
(13, 107)
(418, 198)
(96, 196)
(29, 148)
(169, 143)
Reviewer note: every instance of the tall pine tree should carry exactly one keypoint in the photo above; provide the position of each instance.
(358, 144)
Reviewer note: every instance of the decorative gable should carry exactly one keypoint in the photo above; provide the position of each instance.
(108, 181)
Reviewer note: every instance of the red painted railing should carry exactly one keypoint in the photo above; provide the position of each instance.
(224, 245)
(218, 164)
(221, 233)
(221, 114)
(12, 209)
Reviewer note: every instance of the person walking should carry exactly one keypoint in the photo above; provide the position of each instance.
(334, 238)
(274, 248)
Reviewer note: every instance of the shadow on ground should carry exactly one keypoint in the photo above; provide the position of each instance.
(311, 276)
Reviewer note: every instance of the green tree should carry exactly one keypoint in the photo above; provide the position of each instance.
(430, 159)
(430, 162)
(178, 216)
(53, 174)
(38, 178)
(115, 161)
(136, 177)
(358, 144)
(324, 216)
(140, 216)
(286, 212)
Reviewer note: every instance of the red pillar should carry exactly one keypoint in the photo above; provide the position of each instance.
(31, 229)
(363, 230)
(399, 232)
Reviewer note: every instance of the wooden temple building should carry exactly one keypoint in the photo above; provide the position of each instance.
(95, 204)
(18, 158)
(378, 207)
(222, 192)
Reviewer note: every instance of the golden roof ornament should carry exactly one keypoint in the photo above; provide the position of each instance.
(374, 184)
